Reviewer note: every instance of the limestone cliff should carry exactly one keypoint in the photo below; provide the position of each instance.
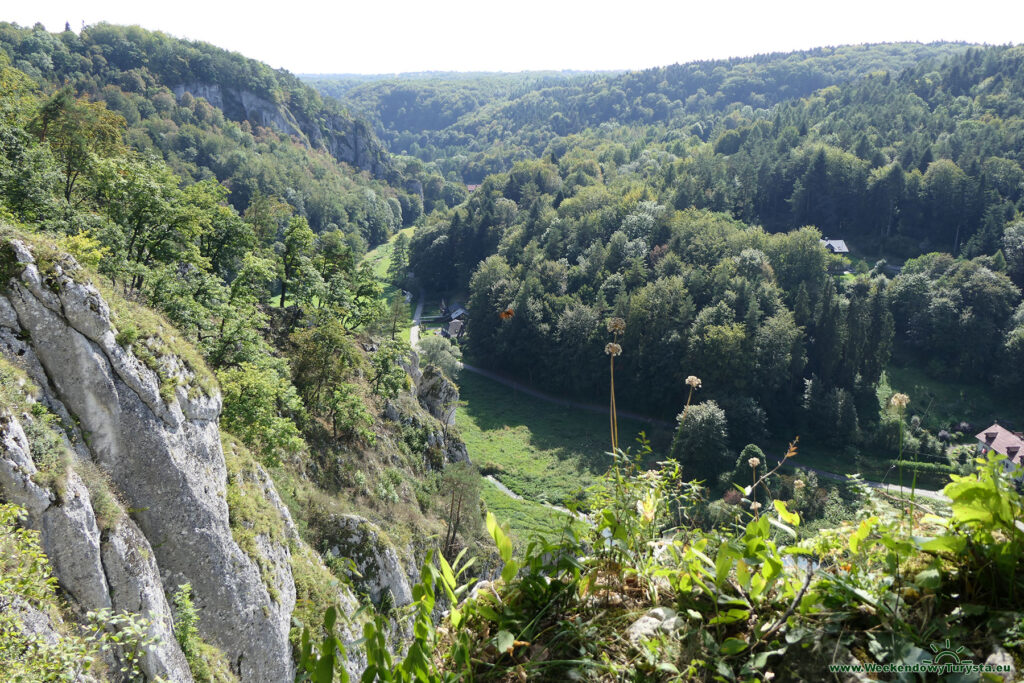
(151, 428)
(344, 137)
(145, 493)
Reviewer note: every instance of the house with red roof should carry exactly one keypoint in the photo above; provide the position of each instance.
(1001, 440)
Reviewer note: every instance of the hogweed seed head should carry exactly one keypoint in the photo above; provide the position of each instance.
(899, 401)
(754, 463)
(693, 381)
(755, 506)
(799, 484)
(616, 325)
(613, 349)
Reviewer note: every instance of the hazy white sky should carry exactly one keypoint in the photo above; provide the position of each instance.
(386, 36)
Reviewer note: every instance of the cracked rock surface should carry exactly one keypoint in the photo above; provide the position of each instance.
(164, 459)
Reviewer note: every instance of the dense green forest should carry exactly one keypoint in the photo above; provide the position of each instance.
(250, 251)
(842, 139)
(689, 200)
(477, 124)
(655, 233)
(209, 114)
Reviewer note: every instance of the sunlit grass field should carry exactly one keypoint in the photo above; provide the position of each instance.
(541, 451)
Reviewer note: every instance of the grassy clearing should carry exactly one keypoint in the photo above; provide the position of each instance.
(380, 258)
(525, 518)
(943, 403)
(538, 450)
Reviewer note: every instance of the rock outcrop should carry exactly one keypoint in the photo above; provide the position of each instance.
(437, 394)
(437, 399)
(346, 138)
(161, 452)
(382, 573)
(97, 570)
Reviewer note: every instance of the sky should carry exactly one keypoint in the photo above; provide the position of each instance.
(394, 36)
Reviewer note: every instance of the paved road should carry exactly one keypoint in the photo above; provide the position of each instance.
(414, 331)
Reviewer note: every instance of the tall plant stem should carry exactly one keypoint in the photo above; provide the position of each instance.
(613, 419)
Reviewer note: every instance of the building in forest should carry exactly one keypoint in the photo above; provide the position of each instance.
(835, 246)
(1001, 440)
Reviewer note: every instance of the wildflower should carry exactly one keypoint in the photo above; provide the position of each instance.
(693, 381)
(754, 463)
(799, 484)
(755, 506)
(613, 349)
(647, 508)
(616, 325)
(899, 401)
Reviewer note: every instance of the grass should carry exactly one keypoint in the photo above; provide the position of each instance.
(525, 518)
(540, 451)
(941, 404)
(379, 258)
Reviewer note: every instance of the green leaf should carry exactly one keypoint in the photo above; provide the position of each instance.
(491, 524)
(784, 513)
(944, 544)
(724, 561)
(930, 578)
(324, 672)
(330, 617)
(732, 646)
(488, 613)
(779, 525)
(501, 541)
(508, 572)
(862, 533)
(505, 641)
(446, 571)
(731, 616)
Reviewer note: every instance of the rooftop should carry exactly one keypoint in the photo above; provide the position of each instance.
(835, 246)
(1002, 440)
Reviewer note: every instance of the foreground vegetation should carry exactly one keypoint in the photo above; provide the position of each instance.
(623, 240)
(652, 592)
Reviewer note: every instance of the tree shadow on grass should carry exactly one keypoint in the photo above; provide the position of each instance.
(565, 432)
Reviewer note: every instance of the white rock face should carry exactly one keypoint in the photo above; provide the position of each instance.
(382, 569)
(116, 571)
(165, 459)
(345, 138)
(134, 578)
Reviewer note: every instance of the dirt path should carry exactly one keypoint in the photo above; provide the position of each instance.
(414, 331)
(515, 496)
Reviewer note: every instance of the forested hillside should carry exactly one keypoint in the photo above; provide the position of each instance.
(196, 335)
(842, 139)
(218, 267)
(488, 121)
(211, 114)
(705, 239)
